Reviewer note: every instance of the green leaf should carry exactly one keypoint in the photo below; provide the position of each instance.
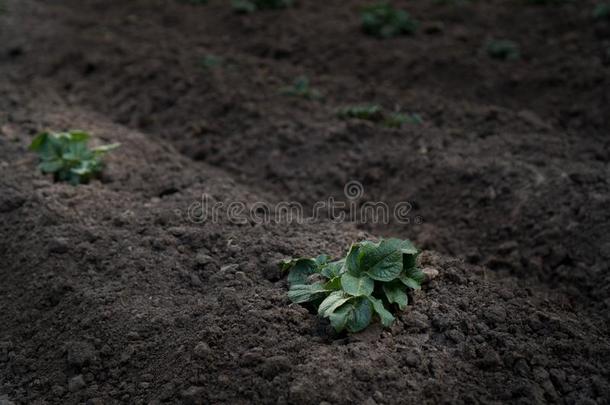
(338, 319)
(415, 274)
(333, 284)
(333, 269)
(357, 286)
(321, 260)
(383, 262)
(78, 136)
(332, 302)
(362, 315)
(300, 270)
(50, 166)
(384, 315)
(306, 292)
(407, 247)
(409, 282)
(354, 314)
(102, 149)
(39, 140)
(352, 262)
(396, 294)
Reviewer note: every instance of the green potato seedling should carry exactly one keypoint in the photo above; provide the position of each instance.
(384, 21)
(66, 155)
(353, 291)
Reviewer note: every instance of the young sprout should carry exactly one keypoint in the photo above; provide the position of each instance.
(66, 155)
(372, 112)
(397, 120)
(301, 88)
(372, 281)
(384, 21)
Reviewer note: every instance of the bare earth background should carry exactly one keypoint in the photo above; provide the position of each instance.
(108, 295)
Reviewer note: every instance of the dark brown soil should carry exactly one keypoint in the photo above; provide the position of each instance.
(109, 294)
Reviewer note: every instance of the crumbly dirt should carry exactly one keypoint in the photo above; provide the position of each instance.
(109, 293)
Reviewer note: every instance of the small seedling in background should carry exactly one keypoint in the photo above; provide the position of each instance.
(66, 155)
(384, 21)
(371, 112)
(503, 49)
(372, 280)
(602, 11)
(397, 120)
(301, 88)
(211, 61)
(250, 6)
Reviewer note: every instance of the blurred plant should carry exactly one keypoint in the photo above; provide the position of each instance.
(503, 49)
(602, 11)
(372, 112)
(66, 155)
(384, 21)
(250, 6)
(397, 120)
(211, 61)
(301, 88)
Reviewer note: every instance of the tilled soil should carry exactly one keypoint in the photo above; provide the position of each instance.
(111, 293)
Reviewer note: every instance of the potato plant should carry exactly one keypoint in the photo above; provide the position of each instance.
(372, 281)
(67, 157)
(384, 21)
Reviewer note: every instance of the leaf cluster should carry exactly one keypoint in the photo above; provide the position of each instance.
(375, 113)
(350, 292)
(66, 155)
(250, 6)
(384, 21)
(301, 88)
